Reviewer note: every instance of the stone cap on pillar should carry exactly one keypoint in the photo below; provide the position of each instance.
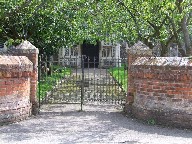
(15, 63)
(14, 66)
(140, 48)
(25, 47)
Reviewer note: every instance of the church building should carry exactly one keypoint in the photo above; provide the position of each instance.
(100, 55)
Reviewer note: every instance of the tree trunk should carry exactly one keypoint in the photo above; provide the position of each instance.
(186, 36)
(164, 50)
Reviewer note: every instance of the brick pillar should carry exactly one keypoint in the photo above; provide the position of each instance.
(30, 51)
(15, 102)
(130, 95)
(137, 50)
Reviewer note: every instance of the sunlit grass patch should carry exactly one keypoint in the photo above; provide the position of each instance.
(120, 75)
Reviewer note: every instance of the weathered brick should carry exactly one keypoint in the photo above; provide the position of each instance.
(162, 83)
(160, 98)
(156, 87)
(190, 93)
(188, 97)
(176, 100)
(15, 77)
(184, 89)
(2, 82)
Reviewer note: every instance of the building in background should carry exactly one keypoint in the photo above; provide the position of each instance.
(100, 55)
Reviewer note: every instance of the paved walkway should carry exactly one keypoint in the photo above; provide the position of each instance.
(99, 86)
(64, 124)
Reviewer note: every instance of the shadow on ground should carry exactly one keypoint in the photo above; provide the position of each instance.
(96, 124)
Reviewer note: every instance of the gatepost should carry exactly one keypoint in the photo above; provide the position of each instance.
(30, 51)
(137, 50)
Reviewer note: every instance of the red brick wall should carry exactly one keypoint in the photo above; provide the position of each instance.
(14, 88)
(163, 90)
(31, 52)
(14, 85)
(132, 56)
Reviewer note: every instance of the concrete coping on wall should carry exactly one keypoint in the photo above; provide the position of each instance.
(163, 61)
(15, 64)
(139, 48)
(25, 47)
(160, 89)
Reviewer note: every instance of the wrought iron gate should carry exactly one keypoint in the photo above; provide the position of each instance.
(79, 80)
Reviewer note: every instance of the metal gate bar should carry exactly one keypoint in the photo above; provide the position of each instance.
(72, 82)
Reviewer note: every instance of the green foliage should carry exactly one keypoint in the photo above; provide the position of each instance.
(121, 75)
(51, 24)
(11, 42)
(47, 83)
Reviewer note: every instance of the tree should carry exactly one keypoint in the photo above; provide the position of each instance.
(48, 24)
(155, 21)
(51, 24)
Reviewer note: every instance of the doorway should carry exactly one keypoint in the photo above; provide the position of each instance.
(91, 53)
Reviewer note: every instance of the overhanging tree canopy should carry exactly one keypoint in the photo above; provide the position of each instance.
(51, 24)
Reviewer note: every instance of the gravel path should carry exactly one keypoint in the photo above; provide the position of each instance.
(60, 124)
(99, 85)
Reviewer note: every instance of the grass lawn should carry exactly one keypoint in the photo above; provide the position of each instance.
(47, 83)
(120, 74)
